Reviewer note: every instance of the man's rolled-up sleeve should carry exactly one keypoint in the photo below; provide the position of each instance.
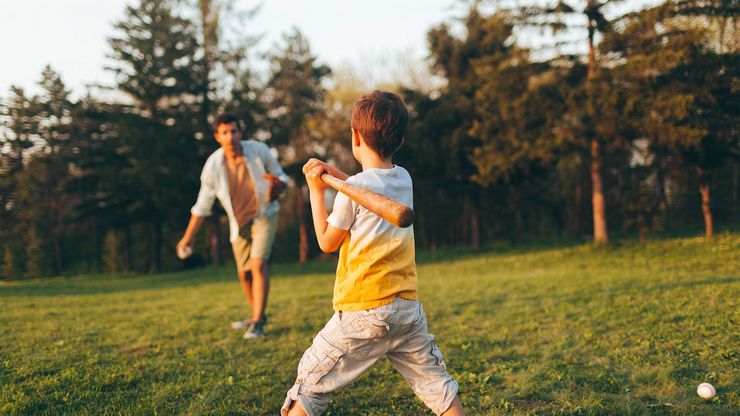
(206, 195)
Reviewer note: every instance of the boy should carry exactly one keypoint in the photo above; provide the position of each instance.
(376, 311)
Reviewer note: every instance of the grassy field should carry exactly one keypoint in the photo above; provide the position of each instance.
(628, 329)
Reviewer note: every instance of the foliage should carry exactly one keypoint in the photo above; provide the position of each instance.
(499, 144)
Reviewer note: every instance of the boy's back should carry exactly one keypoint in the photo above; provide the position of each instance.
(376, 260)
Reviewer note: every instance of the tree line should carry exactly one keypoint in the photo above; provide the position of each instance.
(613, 123)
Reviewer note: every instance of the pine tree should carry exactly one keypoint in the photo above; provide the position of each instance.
(157, 66)
(559, 18)
(294, 94)
(680, 89)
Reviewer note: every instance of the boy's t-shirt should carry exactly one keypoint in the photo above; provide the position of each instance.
(377, 259)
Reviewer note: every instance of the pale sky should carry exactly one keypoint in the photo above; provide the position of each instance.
(71, 35)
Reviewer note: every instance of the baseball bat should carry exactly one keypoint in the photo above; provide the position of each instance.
(386, 208)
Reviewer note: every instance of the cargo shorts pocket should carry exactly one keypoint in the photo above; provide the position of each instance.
(437, 353)
(363, 326)
(317, 362)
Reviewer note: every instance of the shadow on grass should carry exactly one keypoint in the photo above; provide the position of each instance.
(88, 285)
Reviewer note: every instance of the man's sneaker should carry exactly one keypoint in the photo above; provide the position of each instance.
(255, 330)
(241, 325)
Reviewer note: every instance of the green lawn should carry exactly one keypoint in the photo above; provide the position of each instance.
(628, 329)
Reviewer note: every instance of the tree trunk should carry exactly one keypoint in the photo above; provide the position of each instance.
(705, 201)
(518, 224)
(127, 251)
(58, 255)
(597, 193)
(214, 240)
(575, 217)
(56, 242)
(735, 188)
(474, 229)
(662, 199)
(432, 237)
(464, 221)
(155, 248)
(302, 225)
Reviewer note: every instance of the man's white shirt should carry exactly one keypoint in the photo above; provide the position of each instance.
(214, 183)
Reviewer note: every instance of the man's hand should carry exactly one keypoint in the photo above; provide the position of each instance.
(313, 169)
(276, 186)
(184, 242)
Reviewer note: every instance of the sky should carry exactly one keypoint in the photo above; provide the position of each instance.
(71, 35)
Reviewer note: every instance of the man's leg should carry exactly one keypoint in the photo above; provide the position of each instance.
(263, 235)
(242, 247)
(245, 279)
(260, 286)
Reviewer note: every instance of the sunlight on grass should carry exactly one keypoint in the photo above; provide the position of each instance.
(575, 330)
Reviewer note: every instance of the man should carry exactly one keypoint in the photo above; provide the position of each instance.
(247, 180)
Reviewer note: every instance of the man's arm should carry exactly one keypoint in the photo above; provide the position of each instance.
(275, 175)
(201, 209)
(193, 227)
(271, 164)
(328, 236)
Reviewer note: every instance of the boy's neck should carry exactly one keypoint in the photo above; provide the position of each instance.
(374, 161)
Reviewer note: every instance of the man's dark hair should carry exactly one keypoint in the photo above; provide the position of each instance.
(227, 118)
(381, 117)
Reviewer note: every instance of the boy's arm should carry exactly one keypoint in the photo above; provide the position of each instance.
(331, 170)
(328, 236)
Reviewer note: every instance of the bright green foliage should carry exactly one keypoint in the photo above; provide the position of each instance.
(140, 168)
(630, 329)
(294, 94)
(499, 139)
(680, 91)
(152, 66)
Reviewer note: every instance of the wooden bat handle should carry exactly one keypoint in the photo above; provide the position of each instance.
(386, 208)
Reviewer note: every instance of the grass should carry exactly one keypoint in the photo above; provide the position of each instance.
(626, 329)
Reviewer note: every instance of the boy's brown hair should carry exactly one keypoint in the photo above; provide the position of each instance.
(381, 117)
(227, 118)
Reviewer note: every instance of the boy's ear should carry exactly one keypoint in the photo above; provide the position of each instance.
(356, 137)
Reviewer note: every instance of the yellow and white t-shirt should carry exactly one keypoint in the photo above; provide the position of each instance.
(377, 259)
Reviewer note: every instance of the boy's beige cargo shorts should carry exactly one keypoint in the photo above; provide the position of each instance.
(351, 342)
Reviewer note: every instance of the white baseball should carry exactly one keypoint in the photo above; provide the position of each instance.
(184, 252)
(706, 391)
